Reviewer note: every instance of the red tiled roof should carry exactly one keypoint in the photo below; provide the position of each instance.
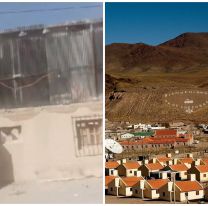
(157, 183)
(202, 168)
(131, 181)
(154, 166)
(179, 167)
(155, 140)
(131, 165)
(205, 161)
(165, 132)
(109, 179)
(111, 165)
(164, 159)
(186, 186)
(188, 160)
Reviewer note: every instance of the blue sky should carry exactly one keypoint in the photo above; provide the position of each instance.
(153, 23)
(8, 21)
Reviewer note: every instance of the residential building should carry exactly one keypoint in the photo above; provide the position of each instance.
(108, 180)
(127, 136)
(164, 159)
(201, 171)
(149, 169)
(181, 170)
(152, 188)
(154, 143)
(129, 169)
(126, 185)
(188, 190)
(111, 168)
(187, 160)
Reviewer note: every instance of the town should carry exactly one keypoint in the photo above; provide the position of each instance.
(164, 163)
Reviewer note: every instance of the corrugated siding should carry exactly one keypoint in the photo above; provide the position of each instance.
(62, 66)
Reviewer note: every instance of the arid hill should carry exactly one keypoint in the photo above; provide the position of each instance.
(187, 52)
(138, 76)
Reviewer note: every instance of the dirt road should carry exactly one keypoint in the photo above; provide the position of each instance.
(87, 190)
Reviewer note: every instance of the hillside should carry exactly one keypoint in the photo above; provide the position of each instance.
(139, 75)
(186, 52)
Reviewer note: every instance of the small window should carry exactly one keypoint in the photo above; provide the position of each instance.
(185, 173)
(130, 171)
(135, 173)
(131, 189)
(186, 194)
(112, 172)
(204, 175)
(163, 194)
(197, 192)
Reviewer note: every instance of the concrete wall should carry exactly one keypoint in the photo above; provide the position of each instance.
(203, 177)
(111, 172)
(199, 176)
(144, 171)
(112, 189)
(137, 192)
(183, 175)
(121, 170)
(124, 190)
(131, 172)
(181, 196)
(191, 196)
(45, 149)
(165, 193)
(206, 194)
(149, 192)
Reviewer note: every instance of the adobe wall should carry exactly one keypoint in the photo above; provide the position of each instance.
(45, 148)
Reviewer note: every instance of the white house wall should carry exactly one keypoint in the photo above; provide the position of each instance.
(45, 149)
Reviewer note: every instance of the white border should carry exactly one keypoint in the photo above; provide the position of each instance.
(103, 104)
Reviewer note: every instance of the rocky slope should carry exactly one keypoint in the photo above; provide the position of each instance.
(138, 76)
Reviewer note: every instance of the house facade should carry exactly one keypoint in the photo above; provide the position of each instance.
(201, 172)
(129, 169)
(188, 190)
(51, 102)
(111, 168)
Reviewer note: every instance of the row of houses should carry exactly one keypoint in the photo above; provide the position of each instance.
(165, 178)
(156, 143)
(146, 127)
(158, 139)
(162, 189)
(160, 133)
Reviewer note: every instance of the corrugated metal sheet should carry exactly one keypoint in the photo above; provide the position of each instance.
(60, 66)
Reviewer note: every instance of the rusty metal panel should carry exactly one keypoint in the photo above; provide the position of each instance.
(60, 66)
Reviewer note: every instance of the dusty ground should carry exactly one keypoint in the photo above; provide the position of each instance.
(141, 97)
(131, 200)
(87, 190)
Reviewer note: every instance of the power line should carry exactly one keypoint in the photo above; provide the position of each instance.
(47, 10)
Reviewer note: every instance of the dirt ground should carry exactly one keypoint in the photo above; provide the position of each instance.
(109, 199)
(88, 190)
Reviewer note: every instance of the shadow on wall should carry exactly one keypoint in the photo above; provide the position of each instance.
(6, 167)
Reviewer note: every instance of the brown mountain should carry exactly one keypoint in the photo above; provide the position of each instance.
(187, 52)
(138, 76)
